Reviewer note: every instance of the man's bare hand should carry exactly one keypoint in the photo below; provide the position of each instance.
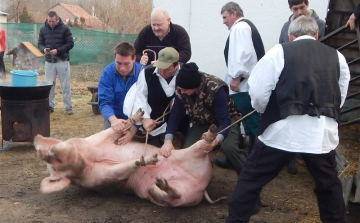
(144, 59)
(127, 137)
(148, 124)
(351, 22)
(234, 84)
(166, 148)
(207, 146)
(118, 125)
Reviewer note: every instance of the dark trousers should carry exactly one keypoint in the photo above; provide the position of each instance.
(2, 64)
(230, 145)
(264, 164)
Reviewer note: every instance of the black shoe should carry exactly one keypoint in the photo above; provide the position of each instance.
(291, 167)
(51, 109)
(223, 162)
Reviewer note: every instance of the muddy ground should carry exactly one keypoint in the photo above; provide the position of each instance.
(287, 198)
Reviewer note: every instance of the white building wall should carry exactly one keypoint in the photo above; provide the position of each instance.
(203, 22)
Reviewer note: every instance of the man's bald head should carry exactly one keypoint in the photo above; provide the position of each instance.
(160, 22)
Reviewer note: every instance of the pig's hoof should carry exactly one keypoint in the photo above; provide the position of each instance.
(154, 159)
(140, 162)
(162, 183)
(151, 160)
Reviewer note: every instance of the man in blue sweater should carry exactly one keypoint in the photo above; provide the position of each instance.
(115, 81)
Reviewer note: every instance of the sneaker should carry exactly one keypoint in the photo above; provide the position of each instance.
(51, 109)
(69, 112)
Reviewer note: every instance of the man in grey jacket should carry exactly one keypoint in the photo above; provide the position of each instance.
(298, 8)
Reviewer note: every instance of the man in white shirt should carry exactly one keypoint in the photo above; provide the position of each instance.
(243, 49)
(155, 89)
(299, 87)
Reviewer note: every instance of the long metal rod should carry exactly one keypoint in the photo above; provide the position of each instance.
(348, 44)
(352, 95)
(350, 122)
(355, 78)
(354, 61)
(247, 115)
(350, 109)
(333, 33)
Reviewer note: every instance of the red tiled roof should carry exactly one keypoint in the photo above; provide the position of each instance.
(90, 21)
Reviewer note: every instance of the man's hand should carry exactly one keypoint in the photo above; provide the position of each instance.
(53, 52)
(234, 84)
(207, 146)
(351, 22)
(144, 59)
(118, 125)
(166, 148)
(148, 124)
(127, 137)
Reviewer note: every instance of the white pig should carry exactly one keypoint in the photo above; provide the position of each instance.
(97, 163)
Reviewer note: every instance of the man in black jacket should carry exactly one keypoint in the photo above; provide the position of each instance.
(159, 34)
(55, 40)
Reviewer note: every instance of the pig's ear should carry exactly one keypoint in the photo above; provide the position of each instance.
(45, 143)
(49, 184)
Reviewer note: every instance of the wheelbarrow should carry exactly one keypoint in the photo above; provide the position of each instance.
(94, 100)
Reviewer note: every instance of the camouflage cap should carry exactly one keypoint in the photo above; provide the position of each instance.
(167, 56)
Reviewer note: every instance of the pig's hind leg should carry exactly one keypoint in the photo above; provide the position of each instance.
(162, 193)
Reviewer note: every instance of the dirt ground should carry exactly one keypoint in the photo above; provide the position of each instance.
(287, 198)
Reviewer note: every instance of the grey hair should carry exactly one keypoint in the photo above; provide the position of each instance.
(161, 10)
(303, 25)
(230, 7)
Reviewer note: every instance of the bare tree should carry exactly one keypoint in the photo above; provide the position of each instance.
(131, 14)
(121, 15)
(15, 8)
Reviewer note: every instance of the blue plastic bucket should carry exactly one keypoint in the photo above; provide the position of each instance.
(23, 78)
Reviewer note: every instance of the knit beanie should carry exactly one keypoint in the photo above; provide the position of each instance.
(188, 76)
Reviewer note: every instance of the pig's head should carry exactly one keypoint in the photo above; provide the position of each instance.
(64, 161)
(43, 145)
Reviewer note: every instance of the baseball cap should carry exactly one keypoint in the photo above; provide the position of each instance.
(167, 57)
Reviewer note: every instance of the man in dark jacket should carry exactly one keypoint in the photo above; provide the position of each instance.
(298, 8)
(159, 34)
(55, 40)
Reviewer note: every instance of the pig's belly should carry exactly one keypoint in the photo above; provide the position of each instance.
(172, 170)
(178, 169)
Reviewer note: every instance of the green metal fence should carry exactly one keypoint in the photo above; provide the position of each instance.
(90, 46)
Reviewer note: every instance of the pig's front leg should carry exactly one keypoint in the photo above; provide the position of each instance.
(123, 170)
(162, 193)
